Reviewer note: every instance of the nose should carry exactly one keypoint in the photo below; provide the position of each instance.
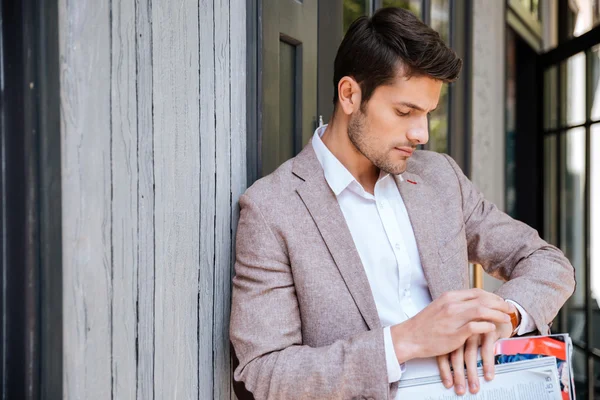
(419, 133)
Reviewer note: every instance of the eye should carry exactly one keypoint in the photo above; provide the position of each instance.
(401, 114)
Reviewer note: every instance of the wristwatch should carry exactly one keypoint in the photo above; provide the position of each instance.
(515, 320)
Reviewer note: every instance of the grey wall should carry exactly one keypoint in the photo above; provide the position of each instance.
(489, 80)
(153, 162)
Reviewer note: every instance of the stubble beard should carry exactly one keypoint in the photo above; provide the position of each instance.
(358, 133)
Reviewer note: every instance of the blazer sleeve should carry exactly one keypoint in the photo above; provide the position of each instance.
(266, 329)
(537, 275)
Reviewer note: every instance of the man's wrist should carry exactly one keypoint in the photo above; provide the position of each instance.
(404, 347)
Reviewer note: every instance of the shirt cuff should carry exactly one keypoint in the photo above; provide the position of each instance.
(394, 368)
(527, 324)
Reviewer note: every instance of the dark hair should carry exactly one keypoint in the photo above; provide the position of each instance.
(374, 48)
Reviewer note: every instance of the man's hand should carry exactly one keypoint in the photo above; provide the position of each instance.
(446, 324)
(467, 355)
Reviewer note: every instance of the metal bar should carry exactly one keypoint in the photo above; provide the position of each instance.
(579, 344)
(459, 93)
(586, 222)
(595, 353)
(563, 312)
(426, 11)
(572, 47)
(540, 81)
(569, 127)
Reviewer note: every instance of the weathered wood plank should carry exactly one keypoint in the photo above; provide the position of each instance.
(124, 200)
(86, 187)
(177, 197)
(238, 110)
(222, 302)
(207, 209)
(237, 118)
(145, 194)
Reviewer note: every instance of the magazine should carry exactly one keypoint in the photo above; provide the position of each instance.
(535, 379)
(528, 368)
(559, 346)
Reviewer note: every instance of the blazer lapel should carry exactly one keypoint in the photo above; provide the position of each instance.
(422, 203)
(325, 211)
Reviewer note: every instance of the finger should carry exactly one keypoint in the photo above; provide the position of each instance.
(488, 299)
(496, 302)
(469, 294)
(476, 328)
(445, 373)
(487, 356)
(471, 362)
(478, 312)
(458, 365)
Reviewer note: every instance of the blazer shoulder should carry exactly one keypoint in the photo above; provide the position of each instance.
(274, 188)
(431, 164)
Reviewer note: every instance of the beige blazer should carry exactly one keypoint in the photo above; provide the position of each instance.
(303, 319)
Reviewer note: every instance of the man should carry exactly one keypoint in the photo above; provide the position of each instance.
(352, 258)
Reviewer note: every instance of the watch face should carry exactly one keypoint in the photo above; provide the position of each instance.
(514, 319)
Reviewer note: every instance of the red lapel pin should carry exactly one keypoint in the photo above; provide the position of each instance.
(409, 181)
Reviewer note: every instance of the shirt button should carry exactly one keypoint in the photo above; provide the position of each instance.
(382, 204)
(397, 246)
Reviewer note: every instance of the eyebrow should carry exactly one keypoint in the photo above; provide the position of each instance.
(414, 106)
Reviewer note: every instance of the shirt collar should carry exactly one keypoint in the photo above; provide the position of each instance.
(336, 174)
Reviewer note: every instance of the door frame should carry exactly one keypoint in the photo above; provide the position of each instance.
(30, 192)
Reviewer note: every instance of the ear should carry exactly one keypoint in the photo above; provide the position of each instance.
(349, 95)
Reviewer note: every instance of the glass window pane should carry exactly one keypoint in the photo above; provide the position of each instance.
(438, 124)
(440, 18)
(510, 122)
(287, 100)
(572, 240)
(580, 373)
(550, 98)
(583, 16)
(412, 5)
(596, 380)
(595, 83)
(352, 10)
(535, 8)
(526, 4)
(595, 230)
(550, 163)
(573, 80)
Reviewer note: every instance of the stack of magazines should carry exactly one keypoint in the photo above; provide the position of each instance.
(527, 368)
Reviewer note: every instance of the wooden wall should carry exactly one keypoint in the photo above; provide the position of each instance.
(153, 162)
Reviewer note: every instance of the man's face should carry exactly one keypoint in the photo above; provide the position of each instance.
(394, 121)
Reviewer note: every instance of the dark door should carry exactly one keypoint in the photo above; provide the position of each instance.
(289, 79)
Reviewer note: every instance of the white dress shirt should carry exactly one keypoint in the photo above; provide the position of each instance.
(383, 235)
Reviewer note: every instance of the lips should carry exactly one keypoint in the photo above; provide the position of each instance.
(407, 151)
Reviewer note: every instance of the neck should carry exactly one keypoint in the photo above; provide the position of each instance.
(337, 141)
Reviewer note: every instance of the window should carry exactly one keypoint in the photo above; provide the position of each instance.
(354, 9)
(571, 198)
